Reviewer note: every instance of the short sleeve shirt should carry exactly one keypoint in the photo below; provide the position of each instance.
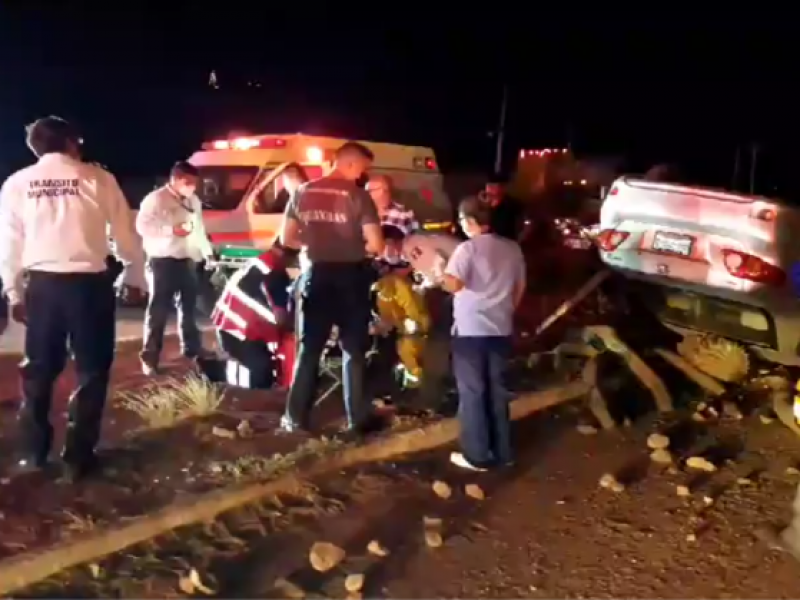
(332, 212)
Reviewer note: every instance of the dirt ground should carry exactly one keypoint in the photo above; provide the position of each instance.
(545, 528)
(146, 468)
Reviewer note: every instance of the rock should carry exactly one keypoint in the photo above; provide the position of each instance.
(432, 522)
(586, 429)
(441, 489)
(673, 470)
(708, 500)
(474, 491)
(765, 419)
(95, 570)
(617, 487)
(657, 441)
(324, 556)
(701, 406)
(377, 549)
(712, 412)
(744, 481)
(700, 464)
(289, 589)
(661, 456)
(244, 429)
(698, 418)
(354, 582)
(433, 539)
(223, 433)
(683, 491)
(691, 537)
(792, 471)
(607, 480)
(191, 584)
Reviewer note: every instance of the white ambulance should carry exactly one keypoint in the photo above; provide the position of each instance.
(241, 188)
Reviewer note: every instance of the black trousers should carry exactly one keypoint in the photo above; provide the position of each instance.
(170, 279)
(253, 356)
(332, 294)
(75, 311)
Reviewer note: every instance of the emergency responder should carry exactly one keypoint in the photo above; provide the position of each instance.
(170, 222)
(53, 226)
(402, 314)
(331, 218)
(253, 322)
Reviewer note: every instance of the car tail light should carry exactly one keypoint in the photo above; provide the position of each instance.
(763, 214)
(747, 266)
(613, 191)
(610, 239)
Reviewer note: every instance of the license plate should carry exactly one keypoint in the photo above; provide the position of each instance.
(672, 243)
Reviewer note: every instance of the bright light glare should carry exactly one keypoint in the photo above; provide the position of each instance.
(314, 155)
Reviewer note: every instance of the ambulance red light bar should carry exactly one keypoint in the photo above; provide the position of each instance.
(245, 143)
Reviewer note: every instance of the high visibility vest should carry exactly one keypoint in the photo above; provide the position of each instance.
(246, 308)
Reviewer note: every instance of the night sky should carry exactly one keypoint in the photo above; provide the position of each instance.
(654, 90)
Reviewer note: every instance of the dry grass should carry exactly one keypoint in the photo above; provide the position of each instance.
(262, 467)
(165, 403)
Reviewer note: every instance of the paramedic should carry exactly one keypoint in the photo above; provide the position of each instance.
(170, 221)
(53, 226)
(331, 219)
(404, 319)
(252, 320)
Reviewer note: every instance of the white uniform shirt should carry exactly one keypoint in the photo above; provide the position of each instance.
(160, 212)
(55, 216)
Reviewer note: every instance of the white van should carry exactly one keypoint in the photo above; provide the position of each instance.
(709, 260)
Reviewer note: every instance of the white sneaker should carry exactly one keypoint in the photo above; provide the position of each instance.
(458, 459)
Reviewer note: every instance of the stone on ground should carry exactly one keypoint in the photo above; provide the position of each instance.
(354, 582)
(377, 549)
(441, 489)
(657, 441)
(474, 491)
(324, 556)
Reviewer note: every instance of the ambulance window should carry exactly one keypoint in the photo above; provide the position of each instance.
(223, 187)
(274, 198)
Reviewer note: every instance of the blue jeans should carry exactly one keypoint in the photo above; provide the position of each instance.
(483, 413)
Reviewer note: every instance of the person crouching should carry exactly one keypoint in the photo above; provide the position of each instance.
(253, 323)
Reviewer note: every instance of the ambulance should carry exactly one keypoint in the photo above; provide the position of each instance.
(241, 185)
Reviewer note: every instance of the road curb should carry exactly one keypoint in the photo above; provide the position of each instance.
(29, 568)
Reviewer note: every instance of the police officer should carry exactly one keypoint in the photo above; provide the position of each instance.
(170, 222)
(335, 222)
(53, 220)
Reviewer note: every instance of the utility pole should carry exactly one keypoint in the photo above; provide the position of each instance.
(754, 149)
(736, 168)
(500, 134)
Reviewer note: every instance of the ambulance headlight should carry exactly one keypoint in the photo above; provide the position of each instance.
(315, 155)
